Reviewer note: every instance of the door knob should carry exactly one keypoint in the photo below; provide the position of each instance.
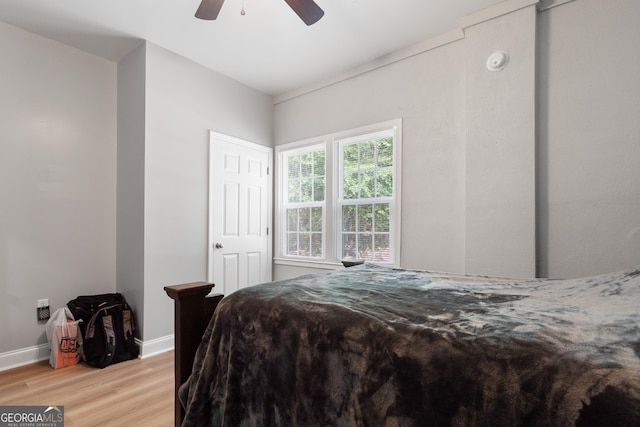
(218, 245)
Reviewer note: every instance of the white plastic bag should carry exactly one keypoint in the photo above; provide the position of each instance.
(64, 338)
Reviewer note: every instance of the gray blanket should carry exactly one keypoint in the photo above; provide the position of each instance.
(371, 346)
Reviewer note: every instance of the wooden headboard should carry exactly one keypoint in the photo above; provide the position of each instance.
(193, 310)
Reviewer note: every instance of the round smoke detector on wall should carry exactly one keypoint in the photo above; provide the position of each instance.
(497, 60)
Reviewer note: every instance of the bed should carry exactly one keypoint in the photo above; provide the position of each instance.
(376, 346)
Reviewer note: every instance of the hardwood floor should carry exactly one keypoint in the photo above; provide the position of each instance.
(132, 393)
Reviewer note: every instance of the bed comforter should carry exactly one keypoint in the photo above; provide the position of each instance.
(371, 346)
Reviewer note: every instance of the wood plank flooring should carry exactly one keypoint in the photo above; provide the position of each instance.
(132, 393)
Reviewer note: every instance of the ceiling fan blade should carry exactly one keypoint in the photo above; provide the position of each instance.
(307, 10)
(209, 9)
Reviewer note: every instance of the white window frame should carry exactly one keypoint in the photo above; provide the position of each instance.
(283, 205)
(331, 220)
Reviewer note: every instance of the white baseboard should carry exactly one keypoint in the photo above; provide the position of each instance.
(29, 355)
(155, 346)
(23, 356)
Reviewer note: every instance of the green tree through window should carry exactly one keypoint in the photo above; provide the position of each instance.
(367, 191)
(339, 196)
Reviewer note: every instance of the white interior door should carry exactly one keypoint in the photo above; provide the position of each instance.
(240, 204)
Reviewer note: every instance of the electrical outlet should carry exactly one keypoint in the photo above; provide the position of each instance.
(44, 313)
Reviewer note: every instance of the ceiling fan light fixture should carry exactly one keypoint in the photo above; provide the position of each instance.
(307, 10)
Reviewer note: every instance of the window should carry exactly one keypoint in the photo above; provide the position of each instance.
(304, 202)
(339, 197)
(365, 197)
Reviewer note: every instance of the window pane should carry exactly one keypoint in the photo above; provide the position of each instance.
(318, 163)
(365, 246)
(367, 184)
(365, 218)
(304, 220)
(373, 160)
(305, 244)
(316, 219)
(306, 190)
(306, 165)
(301, 240)
(292, 244)
(350, 185)
(349, 248)
(350, 155)
(292, 219)
(385, 152)
(316, 245)
(384, 184)
(367, 154)
(318, 189)
(349, 218)
(294, 191)
(382, 217)
(382, 253)
(294, 166)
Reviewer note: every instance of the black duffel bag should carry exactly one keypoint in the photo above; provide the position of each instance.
(107, 328)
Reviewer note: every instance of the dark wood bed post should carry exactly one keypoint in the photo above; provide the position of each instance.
(193, 310)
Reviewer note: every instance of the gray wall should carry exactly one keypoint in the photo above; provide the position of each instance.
(182, 101)
(57, 180)
(500, 146)
(586, 102)
(588, 138)
(130, 177)
(76, 131)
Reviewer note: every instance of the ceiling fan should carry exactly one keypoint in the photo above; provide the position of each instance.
(307, 10)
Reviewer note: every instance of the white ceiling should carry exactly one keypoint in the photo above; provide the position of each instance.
(269, 48)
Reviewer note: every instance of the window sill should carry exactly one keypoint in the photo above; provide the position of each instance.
(325, 265)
